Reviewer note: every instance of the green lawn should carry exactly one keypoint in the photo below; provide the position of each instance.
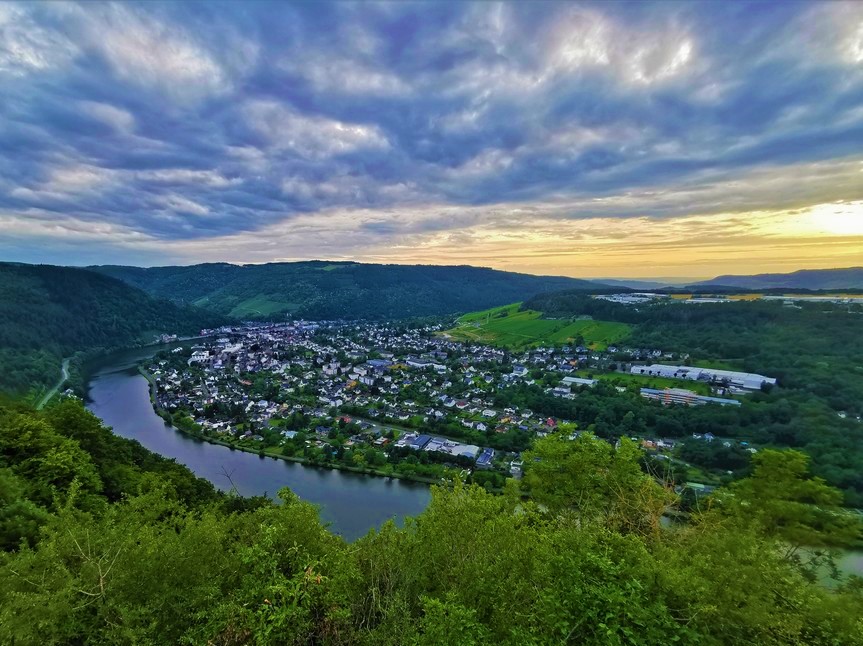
(508, 327)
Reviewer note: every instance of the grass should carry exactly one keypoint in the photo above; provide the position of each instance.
(716, 364)
(261, 305)
(507, 326)
(646, 381)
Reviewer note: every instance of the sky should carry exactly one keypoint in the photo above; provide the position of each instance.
(676, 139)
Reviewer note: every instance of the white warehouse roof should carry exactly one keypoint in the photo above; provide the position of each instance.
(748, 380)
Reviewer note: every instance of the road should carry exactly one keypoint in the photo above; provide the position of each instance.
(64, 375)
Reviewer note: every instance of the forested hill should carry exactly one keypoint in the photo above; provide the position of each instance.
(327, 290)
(102, 542)
(815, 350)
(851, 278)
(48, 312)
(815, 347)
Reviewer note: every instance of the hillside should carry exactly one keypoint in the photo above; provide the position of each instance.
(510, 327)
(49, 312)
(325, 290)
(106, 543)
(646, 285)
(851, 278)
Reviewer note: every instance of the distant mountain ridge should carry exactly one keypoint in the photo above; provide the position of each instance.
(347, 290)
(637, 284)
(850, 278)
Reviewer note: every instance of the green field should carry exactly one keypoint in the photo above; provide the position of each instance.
(261, 305)
(506, 326)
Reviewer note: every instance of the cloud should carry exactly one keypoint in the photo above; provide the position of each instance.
(143, 50)
(421, 131)
(27, 47)
(310, 136)
(122, 121)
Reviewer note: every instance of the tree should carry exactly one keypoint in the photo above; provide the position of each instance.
(595, 481)
(787, 503)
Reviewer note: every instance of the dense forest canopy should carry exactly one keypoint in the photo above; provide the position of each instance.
(106, 543)
(815, 350)
(47, 313)
(815, 347)
(331, 290)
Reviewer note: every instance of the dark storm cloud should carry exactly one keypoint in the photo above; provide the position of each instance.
(186, 121)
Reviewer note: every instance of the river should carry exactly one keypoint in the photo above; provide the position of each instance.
(350, 503)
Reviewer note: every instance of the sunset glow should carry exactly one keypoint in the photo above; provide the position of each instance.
(585, 140)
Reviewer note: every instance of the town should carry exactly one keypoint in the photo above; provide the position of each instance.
(402, 401)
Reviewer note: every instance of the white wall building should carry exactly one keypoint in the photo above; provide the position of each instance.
(745, 380)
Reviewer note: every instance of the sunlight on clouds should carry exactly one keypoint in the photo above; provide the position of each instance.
(569, 138)
(511, 237)
(844, 219)
(531, 240)
(47, 227)
(855, 45)
(644, 247)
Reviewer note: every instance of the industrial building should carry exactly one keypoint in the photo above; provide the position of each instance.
(578, 381)
(687, 397)
(744, 380)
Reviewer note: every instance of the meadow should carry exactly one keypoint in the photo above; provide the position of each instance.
(510, 327)
(261, 305)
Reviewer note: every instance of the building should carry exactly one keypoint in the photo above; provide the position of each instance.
(631, 299)
(484, 459)
(578, 381)
(745, 380)
(687, 397)
(420, 442)
(415, 362)
(379, 364)
(199, 356)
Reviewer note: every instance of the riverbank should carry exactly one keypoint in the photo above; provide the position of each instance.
(161, 412)
(350, 503)
(64, 376)
(90, 361)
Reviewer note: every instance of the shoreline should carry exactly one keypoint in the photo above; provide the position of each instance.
(287, 458)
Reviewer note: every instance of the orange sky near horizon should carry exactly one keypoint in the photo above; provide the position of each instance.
(821, 237)
(536, 239)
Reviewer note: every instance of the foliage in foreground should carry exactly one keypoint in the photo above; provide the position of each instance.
(583, 561)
